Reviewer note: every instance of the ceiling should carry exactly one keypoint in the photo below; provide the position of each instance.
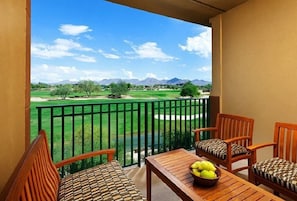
(196, 11)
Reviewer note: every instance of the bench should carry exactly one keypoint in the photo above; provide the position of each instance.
(228, 140)
(36, 177)
(278, 172)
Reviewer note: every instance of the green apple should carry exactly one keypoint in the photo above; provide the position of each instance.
(196, 172)
(206, 165)
(196, 165)
(208, 174)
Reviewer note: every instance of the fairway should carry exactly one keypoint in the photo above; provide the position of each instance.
(179, 117)
(158, 120)
(43, 98)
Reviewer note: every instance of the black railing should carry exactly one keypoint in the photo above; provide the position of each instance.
(134, 129)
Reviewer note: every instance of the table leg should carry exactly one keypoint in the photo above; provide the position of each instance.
(148, 182)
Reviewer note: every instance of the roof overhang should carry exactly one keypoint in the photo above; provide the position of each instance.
(195, 11)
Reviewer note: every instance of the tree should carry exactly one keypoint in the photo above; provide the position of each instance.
(88, 87)
(40, 85)
(207, 87)
(189, 89)
(62, 90)
(119, 89)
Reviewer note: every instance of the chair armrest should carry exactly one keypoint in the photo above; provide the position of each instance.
(228, 141)
(254, 148)
(198, 130)
(231, 140)
(109, 152)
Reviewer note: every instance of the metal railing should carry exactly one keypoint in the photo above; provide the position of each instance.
(134, 129)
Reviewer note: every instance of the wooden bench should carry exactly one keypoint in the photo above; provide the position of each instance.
(278, 172)
(36, 177)
(228, 140)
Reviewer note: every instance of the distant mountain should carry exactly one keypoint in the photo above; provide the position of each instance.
(200, 82)
(145, 82)
(149, 82)
(64, 82)
(108, 81)
(176, 81)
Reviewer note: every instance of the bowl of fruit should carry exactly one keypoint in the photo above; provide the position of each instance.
(205, 173)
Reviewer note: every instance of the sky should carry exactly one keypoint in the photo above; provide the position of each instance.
(95, 39)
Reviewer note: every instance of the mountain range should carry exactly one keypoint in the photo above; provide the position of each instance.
(146, 82)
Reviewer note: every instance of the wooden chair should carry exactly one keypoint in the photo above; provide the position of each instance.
(278, 172)
(36, 178)
(228, 140)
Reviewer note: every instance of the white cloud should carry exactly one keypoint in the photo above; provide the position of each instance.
(109, 55)
(70, 44)
(47, 51)
(204, 69)
(60, 48)
(151, 75)
(128, 74)
(200, 45)
(52, 74)
(150, 50)
(49, 74)
(204, 73)
(84, 58)
(88, 37)
(74, 30)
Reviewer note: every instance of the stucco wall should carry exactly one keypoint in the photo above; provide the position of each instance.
(14, 83)
(259, 63)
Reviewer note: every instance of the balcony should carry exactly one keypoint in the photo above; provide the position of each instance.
(136, 129)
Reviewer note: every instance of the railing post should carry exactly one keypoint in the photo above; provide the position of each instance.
(153, 127)
(139, 135)
(145, 129)
(39, 119)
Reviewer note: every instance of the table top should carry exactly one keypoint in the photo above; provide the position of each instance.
(173, 168)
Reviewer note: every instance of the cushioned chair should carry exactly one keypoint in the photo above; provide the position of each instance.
(36, 177)
(278, 172)
(228, 140)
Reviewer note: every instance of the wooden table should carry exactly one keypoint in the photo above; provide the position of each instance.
(173, 169)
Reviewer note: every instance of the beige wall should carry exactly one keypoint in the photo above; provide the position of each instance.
(14, 83)
(258, 63)
(217, 57)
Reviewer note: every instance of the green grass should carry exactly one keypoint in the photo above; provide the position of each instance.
(136, 95)
(159, 94)
(86, 130)
(40, 93)
(142, 94)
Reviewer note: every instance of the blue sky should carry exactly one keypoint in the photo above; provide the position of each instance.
(95, 39)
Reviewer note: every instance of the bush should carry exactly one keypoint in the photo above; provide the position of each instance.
(188, 89)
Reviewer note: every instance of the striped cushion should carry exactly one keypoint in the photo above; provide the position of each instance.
(218, 148)
(103, 182)
(279, 171)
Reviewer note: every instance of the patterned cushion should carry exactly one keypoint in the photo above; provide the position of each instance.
(103, 182)
(278, 171)
(218, 148)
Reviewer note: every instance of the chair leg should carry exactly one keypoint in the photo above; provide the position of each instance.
(276, 193)
(250, 175)
(229, 167)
